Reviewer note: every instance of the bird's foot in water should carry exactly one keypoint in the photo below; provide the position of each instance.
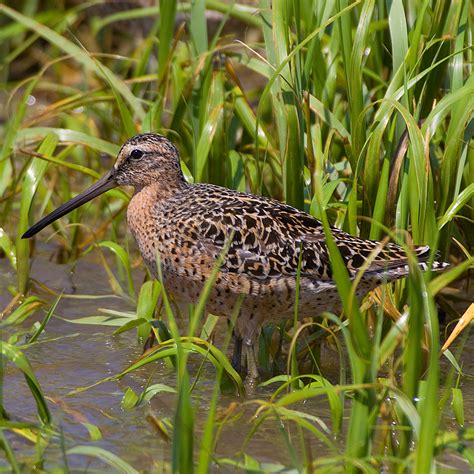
(249, 370)
(253, 375)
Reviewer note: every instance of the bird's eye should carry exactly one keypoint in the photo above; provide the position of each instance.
(136, 154)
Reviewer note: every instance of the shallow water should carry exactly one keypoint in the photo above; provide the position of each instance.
(70, 356)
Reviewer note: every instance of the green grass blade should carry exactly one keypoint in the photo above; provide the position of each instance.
(78, 53)
(429, 412)
(124, 259)
(111, 459)
(36, 134)
(33, 177)
(8, 247)
(147, 302)
(45, 321)
(18, 358)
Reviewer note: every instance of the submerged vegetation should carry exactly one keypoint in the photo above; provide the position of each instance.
(359, 112)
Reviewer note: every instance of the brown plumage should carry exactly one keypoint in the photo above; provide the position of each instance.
(188, 226)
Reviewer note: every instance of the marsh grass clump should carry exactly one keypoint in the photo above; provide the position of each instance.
(357, 112)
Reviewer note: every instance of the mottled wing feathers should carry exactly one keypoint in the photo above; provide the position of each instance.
(383, 257)
(268, 237)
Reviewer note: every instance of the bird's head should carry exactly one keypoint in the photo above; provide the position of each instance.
(143, 160)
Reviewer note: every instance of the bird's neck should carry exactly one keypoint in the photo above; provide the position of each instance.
(159, 190)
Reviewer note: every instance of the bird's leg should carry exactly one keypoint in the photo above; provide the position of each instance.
(151, 339)
(252, 370)
(237, 354)
(248, 327)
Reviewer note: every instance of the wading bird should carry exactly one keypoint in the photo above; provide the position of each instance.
(267, 243)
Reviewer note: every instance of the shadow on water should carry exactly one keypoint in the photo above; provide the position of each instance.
(69, 356)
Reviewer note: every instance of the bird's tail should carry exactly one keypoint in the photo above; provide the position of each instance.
(394, 270)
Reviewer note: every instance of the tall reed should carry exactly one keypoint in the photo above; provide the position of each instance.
(358, 112)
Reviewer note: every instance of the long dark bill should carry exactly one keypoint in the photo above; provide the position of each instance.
(104, 184)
